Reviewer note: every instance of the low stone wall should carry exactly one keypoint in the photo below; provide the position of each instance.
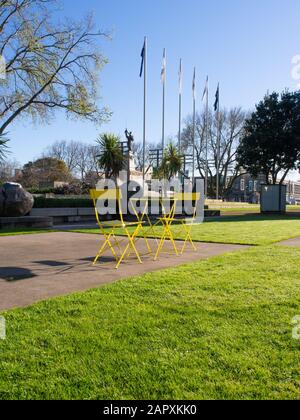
(25, 222)
(82, 215)
(66, 215)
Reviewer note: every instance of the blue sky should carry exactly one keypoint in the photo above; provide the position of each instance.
(246, 45)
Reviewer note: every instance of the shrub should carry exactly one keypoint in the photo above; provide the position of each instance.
(41, 190)
(65, 190)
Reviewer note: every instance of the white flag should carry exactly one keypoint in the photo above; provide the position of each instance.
(205, 93)
(180, 77)
(194, 84)
(164, 68)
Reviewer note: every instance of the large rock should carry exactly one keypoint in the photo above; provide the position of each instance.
(15, 201)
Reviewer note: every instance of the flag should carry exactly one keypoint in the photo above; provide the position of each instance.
(194, 84)
(205, 93)
(143, 53)
(164, 68)
(217, 101)
(180, 77)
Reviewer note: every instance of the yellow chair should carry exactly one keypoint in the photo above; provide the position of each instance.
(166, 222)
(144, 218)
(187, 224)
(108, 229)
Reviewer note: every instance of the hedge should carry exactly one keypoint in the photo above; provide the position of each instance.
(41, 190)
(52, 203)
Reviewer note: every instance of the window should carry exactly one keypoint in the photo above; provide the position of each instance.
(250, 186)
(255, 186)
(242, 185)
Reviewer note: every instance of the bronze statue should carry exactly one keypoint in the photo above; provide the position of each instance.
(130, 140)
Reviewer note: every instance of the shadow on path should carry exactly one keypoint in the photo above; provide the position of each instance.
(12, 274)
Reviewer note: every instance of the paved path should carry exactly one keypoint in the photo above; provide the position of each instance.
(37, 267)
(291, 242)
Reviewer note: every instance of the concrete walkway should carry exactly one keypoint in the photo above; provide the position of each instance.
(291, 242)
(37, 267)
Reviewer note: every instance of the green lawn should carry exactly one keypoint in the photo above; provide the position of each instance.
(23, 231)
(244, 208)
(237, 210)
(217, 329)
(249, 230)
(245, 230)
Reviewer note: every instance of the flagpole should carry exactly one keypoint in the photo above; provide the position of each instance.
(163, 101)
(194, 123)
(206, 143)
(218, 145)
(145, 109)
(180, 106)
(194, 137)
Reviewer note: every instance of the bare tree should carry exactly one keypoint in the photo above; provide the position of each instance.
(67, 152)
(138, 154)
(49, 66)
(8, 170)
(229, 127)
(80, 158)
(87, 162)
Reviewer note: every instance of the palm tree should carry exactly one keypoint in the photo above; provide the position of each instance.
(172, 162)
(110, 158)
(3, 146)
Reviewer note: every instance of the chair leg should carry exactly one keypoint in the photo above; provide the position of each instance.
(106, 243)
(172, 240)
(122, 256)
(192, 243)
(188, 239)
(151, 228)
(146, 240)
(161, 244)
(113, 250)
(99, 253)
(131, 241)
(117, 243)
(184, 246)
(130, 245)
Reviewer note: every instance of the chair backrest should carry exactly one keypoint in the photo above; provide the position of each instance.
(189, 197)
(115, 194)
(104, 195)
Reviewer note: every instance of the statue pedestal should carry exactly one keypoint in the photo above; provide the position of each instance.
(131, 165)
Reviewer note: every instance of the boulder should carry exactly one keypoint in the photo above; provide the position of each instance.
(15, 201)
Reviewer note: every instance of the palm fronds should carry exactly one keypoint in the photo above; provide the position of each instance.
(3, 146)
(110, 158)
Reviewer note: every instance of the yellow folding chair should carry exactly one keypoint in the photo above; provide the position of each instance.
(166, 222)
(144, 218)
(187, 224)
(108, 228)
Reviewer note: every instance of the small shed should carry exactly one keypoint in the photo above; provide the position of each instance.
(273, 198)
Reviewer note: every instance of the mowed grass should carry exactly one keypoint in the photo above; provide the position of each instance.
(217, 329)
(243, 208)
(23, 231)
(244, 230)
(250, 210)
